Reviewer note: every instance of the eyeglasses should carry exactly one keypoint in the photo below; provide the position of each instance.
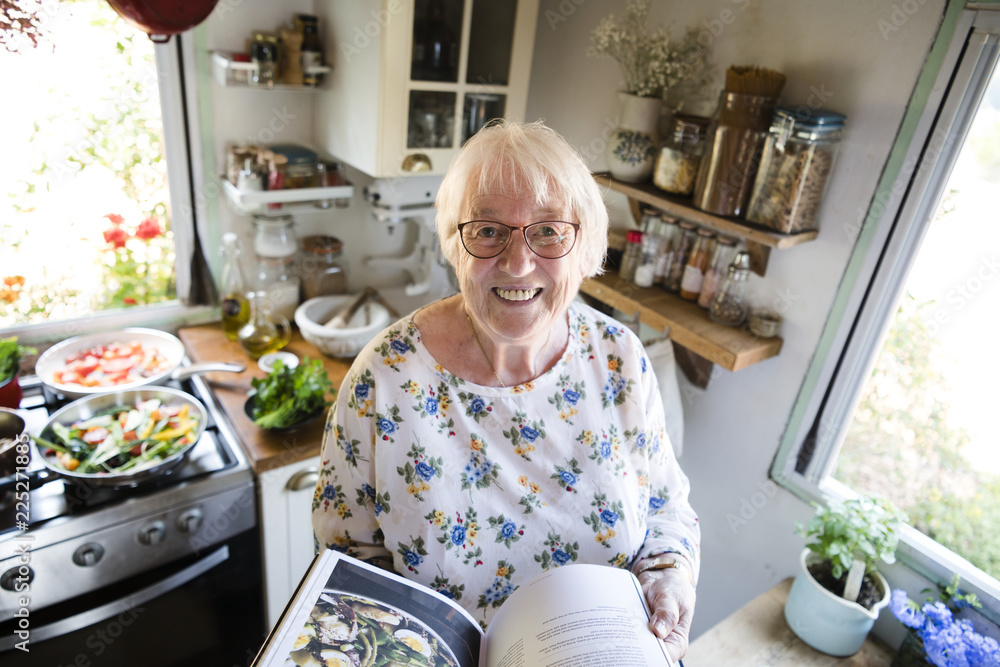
(550, 239)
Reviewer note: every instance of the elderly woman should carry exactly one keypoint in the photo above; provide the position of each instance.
(510, 429)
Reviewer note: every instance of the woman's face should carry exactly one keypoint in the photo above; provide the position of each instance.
(517, 297)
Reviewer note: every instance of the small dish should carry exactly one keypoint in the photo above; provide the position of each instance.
(765, 323)
(248, 409)
(266, 362)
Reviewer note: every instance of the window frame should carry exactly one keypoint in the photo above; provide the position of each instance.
(179, 105)
(948, 92)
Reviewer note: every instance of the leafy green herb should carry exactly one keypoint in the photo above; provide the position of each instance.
(288, 396)
(866, 528)
(10, 356)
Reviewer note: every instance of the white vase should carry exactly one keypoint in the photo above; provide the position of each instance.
(826, 621)
(631, 149)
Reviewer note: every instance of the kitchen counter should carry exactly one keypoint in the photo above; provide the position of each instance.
(757, 634)
(265, 450)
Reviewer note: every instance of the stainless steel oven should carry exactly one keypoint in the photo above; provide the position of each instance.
(163, 573)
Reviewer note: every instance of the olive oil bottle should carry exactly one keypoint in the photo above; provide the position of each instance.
(234, 303)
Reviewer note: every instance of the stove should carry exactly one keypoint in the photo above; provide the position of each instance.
(89, 553)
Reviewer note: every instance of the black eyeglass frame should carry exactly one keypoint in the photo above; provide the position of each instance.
(524, 235)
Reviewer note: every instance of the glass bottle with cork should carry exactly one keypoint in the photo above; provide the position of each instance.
(311, 50)
(697, 264)
(235, 305)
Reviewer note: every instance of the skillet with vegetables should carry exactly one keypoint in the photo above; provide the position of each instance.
(121, 439)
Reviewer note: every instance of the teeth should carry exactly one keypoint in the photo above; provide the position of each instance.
(516, 294)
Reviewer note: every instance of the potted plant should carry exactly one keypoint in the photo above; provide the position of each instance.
(838, 592)
(10, 366)
(936, 635)
(651, 66)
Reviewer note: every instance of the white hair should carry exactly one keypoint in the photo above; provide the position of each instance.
(504, 153)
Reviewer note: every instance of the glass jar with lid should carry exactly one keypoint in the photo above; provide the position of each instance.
(680, 154)
(300, 171)
(725, 248)
(729, 307)
(685, 240)
(274, 236)
(794, 167)
(321, 269)
(697, 264)
(264, 55)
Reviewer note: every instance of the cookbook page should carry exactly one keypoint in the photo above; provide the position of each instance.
(349, 612)
(575, 616)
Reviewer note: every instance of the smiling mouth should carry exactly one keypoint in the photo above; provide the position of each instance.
(516, 294)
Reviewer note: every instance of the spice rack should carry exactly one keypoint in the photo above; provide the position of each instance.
(759, 240)
(225, 68)
(256, 202)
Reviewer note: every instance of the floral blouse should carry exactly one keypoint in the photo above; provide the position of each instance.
(472, 490)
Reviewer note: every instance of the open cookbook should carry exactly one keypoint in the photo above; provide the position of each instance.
(351, 614)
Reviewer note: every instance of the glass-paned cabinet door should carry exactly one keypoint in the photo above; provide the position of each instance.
(437, 33)
(479, 109)
(431, 119)
(491, 42)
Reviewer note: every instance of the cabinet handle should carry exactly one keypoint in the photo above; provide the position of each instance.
(303, 479)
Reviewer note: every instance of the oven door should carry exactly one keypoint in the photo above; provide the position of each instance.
(204, 610)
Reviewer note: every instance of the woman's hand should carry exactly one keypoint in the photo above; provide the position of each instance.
(671, 598)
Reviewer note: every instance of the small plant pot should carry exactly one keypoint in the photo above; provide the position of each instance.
(826, 621)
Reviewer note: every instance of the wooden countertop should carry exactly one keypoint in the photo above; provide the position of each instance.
(757, 634)
(265, 450)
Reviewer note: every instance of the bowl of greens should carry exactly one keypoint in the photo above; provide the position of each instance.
(289, 398)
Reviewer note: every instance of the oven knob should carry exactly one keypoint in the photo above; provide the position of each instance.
(88, 555)
(152, 533)
(190, 520)
(17, 578)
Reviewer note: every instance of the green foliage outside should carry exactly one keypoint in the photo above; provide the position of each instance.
(901, 446)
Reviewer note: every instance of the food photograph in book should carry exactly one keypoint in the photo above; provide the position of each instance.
(359, 620)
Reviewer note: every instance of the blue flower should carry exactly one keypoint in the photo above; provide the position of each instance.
(412, 558)
(378, 508)
(642, 364)
(571, 396)
(349, 450)
(477, 405)
(399, 346)
(938, 614)
(458, 535)
(609, 517)
(901, 608)
(656, 503)
(529, 433)
(386, 425)
(611, 331)
(567, 477)
(369, 491)
(447, 593)
(605, 449)
(329, 492)
(361, 390)
(640, 441)
(560, 557)
(508, 529)
(431, 405)
(425, 471)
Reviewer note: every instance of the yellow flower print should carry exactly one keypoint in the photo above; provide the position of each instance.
(503, 571)
(471, 531)
(476, 444)
(534, 488)
(620, 560)
(522, 388)
(643, 480)
(341, 541)
(419, 486)
(566, 414)
(612, 365)
(411, 387)
(600, 537)
(439, 518)
(526, 448)
(523, 480)
(588, 438)
(393, 361)
(439, 368)
(341, 510)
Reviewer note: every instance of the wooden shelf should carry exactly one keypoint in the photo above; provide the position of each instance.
(759, 240)
(690, 327)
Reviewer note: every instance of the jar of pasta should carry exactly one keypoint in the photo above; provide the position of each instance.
(795, 164)
(680, 155)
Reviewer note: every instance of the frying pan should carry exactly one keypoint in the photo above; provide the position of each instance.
(85, 408)
(54, 359)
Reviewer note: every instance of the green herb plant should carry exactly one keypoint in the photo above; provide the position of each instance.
(288, 396)
(10, 357)
(863, 528)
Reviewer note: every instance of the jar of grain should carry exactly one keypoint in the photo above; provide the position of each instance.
(680, 155)
(321, 267)
(794, 168)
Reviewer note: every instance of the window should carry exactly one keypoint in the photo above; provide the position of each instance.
(901, 399)
(92, 224)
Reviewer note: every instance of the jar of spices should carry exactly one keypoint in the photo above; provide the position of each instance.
(300, 172)
(630, 258)
(264, 55)
(668, 232)
(321, 268)
(274, 236)
(645, 268)
(680, 155)
(718, 267)
(794, 167)
(685, 240)
(280, 284)
(697, 264)
(729, 306)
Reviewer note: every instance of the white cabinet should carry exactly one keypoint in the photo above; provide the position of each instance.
(286, 510)
(413, 79)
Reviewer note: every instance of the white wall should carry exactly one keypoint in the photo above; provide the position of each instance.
(732, 429)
